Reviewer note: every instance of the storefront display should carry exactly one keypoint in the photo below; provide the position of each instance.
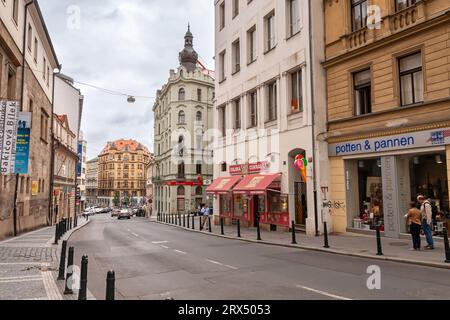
(225, 206)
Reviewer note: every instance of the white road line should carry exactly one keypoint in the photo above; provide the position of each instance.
(21, 264)
(182, 252)
(165, 247)
(160, 242)
(324, 293)
(231, 267)
(135, 234)
(214, 262)
(50, 286)
(23, 280)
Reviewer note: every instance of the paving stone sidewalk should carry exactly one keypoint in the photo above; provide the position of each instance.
(348, 244)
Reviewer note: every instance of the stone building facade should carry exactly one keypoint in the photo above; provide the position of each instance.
(92, 183)
(183, 115)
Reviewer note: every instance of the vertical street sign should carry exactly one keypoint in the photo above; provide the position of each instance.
(80, 159)
(23, 143)
(2, 125)
(9, 136)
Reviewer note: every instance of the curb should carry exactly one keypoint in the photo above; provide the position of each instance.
(331, 251)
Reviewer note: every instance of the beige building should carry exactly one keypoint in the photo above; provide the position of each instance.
(149, 184)
(388, 86)
(27, 61)
(121, 173)
(92, 183)
(64, 176)
(270, 108)
(183, 114)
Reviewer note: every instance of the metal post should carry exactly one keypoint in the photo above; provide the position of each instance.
(379, 246)
(56, 235)
(209, 224)
(188, 218)
(69, 276)
(82, 294)
(110, 286)
(294, 236)
(325, 236)
(184, 220)
(62, 261)
(193, 222)
(258, 229)
(222, 231)
(239, 228)
(201, 223)
(447, 246)
(179, 220)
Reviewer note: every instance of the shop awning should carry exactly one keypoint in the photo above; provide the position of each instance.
(258, 184)
(222, 185)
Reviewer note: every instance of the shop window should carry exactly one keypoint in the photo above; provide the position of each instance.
(240, 206)
(225, 205)
(363, 92)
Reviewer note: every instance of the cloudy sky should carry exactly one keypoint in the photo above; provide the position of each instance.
(126, 46)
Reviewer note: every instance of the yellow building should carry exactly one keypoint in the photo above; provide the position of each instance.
(388, 85)
(122, 173)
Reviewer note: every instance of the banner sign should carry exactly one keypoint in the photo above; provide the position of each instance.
(430, 138)
(23, 143)
(9, 112)
(80, 159)
(249, 168)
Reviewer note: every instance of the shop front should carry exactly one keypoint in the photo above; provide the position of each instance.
(384, 175)
(221, 189)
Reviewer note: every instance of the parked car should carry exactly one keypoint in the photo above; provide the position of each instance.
(88, 213)
(115, 213)
(124, 214)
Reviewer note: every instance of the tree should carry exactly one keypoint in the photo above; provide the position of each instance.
(116, 200)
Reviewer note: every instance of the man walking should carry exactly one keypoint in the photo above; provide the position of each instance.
(426, 211)
(205, 214)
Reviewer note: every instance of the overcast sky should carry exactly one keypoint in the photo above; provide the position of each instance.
(126, 46)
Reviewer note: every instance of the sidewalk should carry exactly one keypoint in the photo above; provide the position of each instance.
(364, 246)
(29, 266)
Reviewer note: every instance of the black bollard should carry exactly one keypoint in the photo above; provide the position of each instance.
(184, 221)
(209, 224)
(76, 221)
(201, 223)
(56, 234)
(379, 247)
(193, 222)
(239, 228)
(258, 229)
(187, 221)
(325, 236)
(69, 276)
(294, 236)
(62, 261)
(110, 286)
(82, 294)
(222, 231)
(58, 230)
(447, 246)
(179, 220)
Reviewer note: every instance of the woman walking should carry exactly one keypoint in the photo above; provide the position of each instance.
(415, 224)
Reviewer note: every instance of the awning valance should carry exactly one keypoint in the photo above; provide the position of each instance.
(258, 184)
(222, 185)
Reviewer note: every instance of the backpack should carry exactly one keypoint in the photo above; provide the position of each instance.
(434, 209)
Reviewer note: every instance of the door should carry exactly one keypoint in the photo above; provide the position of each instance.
(301, 212)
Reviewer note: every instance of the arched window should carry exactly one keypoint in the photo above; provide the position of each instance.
(199, 191)
(198, 116)
(181, 117)
(181, 191)
(181, 94)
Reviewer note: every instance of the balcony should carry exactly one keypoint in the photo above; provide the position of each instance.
(407, 17)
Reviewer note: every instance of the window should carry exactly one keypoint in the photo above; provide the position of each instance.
(30, 37)
(35, 49)
(222, 120)
(44, 68)
(270, 37)
(235, 8)
(181, 170)
(253, 110)
(181, 204)
(296, 92)
(237, 114)
(411, 79)
(48, 76)
(181, 94)
(222, 70)
(224, 167)
(11, 84)
(363, 92)
(198, 116)
(251, 44)
(199, 94)
(199, 140)
(294, 17)
(236, 56)
(222, 15)
(181, 117)
(15, 13)
(198, 168)
(272, 101)
(44, 125)
(199, 191)
(359, 14)
(403, 4)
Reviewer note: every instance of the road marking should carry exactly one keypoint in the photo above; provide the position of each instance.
(21, 264)
(23, 280)
(324, 293)
(182, 252)
(214, 262)
(165, 247)
(160, 242)
(135, 234)
(231, 267)
(50, 286)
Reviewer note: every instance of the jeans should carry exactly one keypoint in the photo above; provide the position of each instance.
(415, 232)
(428, 233)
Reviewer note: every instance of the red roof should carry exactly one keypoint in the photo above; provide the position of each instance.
(223, 185)
(258, 184)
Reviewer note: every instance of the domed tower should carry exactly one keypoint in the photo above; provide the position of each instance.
(188, 57)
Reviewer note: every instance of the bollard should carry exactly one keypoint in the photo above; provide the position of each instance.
(56, 234)
(294, 236)
(62, 261)
(222, 231)
(82, 294)
(209, 224)
(76, 221)
(58, 230)
(379, 247)
(70, 223)
(447, 246)
(184, 220)
(69, 276)
(179, 220)
(239, 228)
(110, 286)
(201, 223)
(193, 222)
(187, 220)
(325, 236)
(258, 229)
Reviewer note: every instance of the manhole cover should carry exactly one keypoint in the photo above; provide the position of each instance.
(396, 244)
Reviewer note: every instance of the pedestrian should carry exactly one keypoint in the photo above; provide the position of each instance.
(205, 214)
(426, 212)
(415, 224)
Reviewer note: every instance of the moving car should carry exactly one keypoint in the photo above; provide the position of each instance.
(124, 214)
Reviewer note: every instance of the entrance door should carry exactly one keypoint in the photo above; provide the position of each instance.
(301, 212)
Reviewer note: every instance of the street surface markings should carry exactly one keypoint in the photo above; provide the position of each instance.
(221, 264)
(323, 293)
(160, 242)
(21, 279)
(50, 286)
(182, 252)
(165, 247)
(135, 234)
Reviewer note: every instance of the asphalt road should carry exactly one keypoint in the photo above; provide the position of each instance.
(156, 262)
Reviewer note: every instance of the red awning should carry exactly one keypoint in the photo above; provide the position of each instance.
(258, 184)
(223, 185)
